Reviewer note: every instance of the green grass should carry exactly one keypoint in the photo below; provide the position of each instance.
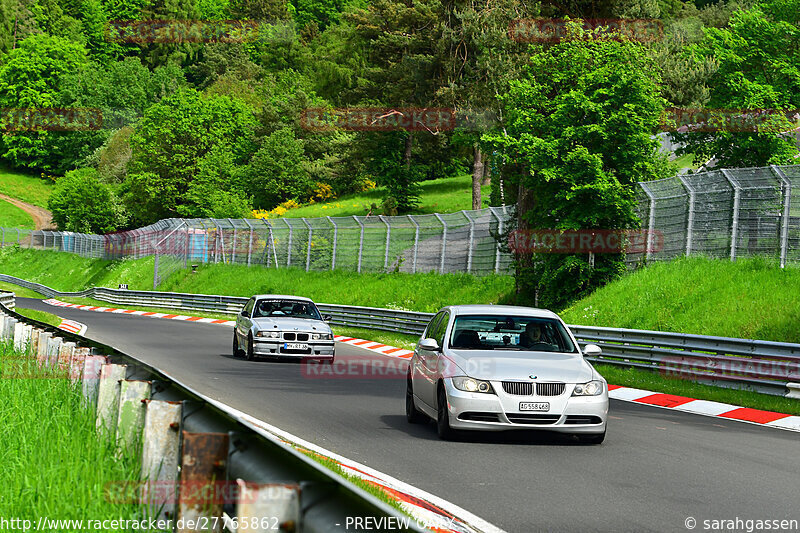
(12, 216)
(21, 292)
(446, 195)
(31, 189)
(750, 299)
(54, 463)
(41, 316)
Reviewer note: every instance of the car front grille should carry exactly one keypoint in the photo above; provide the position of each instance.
(531, 419)
(524, 388)
(518, 388)
(295, 336)
(550, 389)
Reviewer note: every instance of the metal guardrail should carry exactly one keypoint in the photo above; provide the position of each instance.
(762, 366)
(224, 447)
(7, 299)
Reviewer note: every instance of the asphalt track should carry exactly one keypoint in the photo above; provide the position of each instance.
(655, 469)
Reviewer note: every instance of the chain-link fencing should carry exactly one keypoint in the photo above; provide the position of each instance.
(721, 213)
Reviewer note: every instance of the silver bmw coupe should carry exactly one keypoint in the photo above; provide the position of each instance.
(285, 327)
(495, 367)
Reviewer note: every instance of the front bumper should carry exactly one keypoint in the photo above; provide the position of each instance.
(500, 412)
(274, 348)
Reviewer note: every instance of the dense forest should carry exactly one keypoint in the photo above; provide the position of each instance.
(193, 114)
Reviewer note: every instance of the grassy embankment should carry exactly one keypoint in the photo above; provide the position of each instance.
(54, 463)
(750, 298)
(31, 189)
(446, 195)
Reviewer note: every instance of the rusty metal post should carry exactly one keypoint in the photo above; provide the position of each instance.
(204, 461)
(34, 346)
(92, 367)
(133, 396)
(108, 398)
(53, 348)
(160, 455)
(268, 507)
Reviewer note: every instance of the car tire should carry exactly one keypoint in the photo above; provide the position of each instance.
(413, 415)
(443, 417)
(236, 350)
(592, 438)
(250, 354)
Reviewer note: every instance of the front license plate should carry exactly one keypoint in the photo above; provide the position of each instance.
(534, 406)
(294, 346)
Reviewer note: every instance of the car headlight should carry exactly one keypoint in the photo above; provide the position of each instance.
(269, 334)
(321, 336)
(472, 385)
(593, 388)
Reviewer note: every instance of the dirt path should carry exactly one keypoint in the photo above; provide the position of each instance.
(42, 218)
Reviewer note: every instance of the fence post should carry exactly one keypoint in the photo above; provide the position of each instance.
(690, 221)
(497, 245)
(219, 242)
(786, 187)
(737, 195)
(272, 241)
(416, 244)
(444, 242)
(651, 222)
(289, 245)
(335, 236)
(188, 246)
(233, 248)
(250, 243)
(308, 247)
(471, 241)
(388, 236)
(360, 242)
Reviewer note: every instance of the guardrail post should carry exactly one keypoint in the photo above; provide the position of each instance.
(308, 247)
(444, 242)
(388, 236)
(360, 242)
(92, 369)
(65, 354)
(160, 456)
(233, 248)
(133, 396)
(108, 397)
(335, 236)
(53, 349)
(416, 244)
(690, 221)
(786, 187)
(471, 241)
(737, 194)
(280, 502)
(76, 363)
(41, 349)
(651, 222)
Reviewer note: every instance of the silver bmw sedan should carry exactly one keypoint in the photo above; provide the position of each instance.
(278, 326)
(495, 367)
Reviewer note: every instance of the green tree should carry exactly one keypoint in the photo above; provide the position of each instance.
(759, 68)
(81, 202)
(171, 143)
(579, 129)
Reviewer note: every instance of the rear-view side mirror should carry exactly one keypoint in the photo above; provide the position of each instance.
(591, 350)
(429, 345)
(327, 318)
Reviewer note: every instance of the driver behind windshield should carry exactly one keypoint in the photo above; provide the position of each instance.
(532, 339)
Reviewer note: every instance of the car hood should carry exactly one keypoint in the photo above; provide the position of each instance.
(520, 366)
(283, 323)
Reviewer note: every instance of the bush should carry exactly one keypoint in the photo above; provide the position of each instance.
(81, 202)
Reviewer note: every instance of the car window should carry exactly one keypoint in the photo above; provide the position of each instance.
(441, 327)
(248, 307)
(502, 332)
(432, 326)
(286, 308)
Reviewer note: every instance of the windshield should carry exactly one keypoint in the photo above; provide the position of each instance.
(496, 332)
(286, 308)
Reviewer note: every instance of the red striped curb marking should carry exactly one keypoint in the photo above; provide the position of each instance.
(58, 303)
(72, 326)
(705, 407)
(628, 394)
